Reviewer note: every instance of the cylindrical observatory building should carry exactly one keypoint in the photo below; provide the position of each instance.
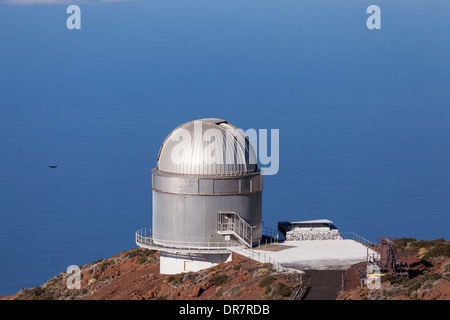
(207, 197)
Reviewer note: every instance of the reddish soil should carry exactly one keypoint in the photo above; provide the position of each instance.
(134, 275)
(144, 282)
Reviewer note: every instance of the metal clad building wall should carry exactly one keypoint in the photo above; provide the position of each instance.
(191, 218)
(226, 186)
(185, 184)
(205, 186)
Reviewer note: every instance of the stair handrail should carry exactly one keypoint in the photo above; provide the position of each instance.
(242, 230)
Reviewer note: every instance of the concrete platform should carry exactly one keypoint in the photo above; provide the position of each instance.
(317, 254)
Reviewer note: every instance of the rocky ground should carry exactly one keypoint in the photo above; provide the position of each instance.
(134, 275)
(427, 280)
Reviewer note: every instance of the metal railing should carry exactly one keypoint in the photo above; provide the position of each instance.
(231, 222)
(356, 237)
(145, 239)
(264, 258)
(272, 234)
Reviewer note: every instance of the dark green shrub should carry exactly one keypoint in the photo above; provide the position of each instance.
(267, 281)
(174, 279)
(278, 291)
(38, 293)
(394, 279)
(104, 265)
(219, 279)
(103, 279)
(438, 250)
(141, 260)
(97, 261)
(140, 252)
(282, 290)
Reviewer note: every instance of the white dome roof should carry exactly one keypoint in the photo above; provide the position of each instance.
(207, 147)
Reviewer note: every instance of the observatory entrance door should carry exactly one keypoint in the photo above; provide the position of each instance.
(232, 223)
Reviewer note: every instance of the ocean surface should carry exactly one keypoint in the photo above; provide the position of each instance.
(364, 117)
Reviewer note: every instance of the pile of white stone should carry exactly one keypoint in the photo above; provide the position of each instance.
(300, 234)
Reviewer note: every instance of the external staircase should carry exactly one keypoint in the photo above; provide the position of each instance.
(230, 223)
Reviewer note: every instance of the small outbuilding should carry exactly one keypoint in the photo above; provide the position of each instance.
(321, 229)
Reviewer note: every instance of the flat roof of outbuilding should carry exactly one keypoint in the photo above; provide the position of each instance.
(324, 221)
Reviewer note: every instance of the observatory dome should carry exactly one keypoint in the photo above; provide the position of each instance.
(207, 147)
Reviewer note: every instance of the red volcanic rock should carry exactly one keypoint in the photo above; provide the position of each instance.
(134, 275)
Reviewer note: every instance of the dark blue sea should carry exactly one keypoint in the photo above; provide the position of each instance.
(364, 117)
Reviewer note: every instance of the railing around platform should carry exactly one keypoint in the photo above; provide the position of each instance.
(270, 235)
(145, 239)
(356, 237)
